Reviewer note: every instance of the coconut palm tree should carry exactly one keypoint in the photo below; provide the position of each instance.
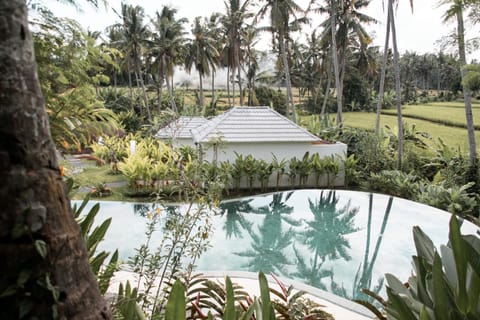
(134, 34)
(391, 27)
(233, 23)
(168, 47)
(41, 243)
(280, 14)
(344, 29)
(201, 53)
(455, 11)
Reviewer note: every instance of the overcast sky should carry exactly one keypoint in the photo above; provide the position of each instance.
(417, 31)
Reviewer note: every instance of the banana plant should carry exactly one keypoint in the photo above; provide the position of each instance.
(318, 167)
(264, 171)
(250, 167)
(278, 166)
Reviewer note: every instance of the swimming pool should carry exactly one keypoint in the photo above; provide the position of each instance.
(339, 241)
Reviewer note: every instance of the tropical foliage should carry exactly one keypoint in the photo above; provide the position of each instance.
(444, 284)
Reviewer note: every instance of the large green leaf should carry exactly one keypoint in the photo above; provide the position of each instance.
(459, 251)
(440, 291)
(267, 308)
(229, 313)
(176, 305)
(423, 244)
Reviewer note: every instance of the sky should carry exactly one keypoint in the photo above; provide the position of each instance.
(418, 31)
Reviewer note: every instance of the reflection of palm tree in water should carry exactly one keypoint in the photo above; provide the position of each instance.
(268, 244)
(363, 277)
(234, 219)
(363, 280)
(325, 236)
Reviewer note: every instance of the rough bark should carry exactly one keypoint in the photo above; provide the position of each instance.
(35, 210)
(382, 76)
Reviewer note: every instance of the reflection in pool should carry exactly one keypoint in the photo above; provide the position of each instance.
(339, 241)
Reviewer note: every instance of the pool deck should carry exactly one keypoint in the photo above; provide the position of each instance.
(340, 308)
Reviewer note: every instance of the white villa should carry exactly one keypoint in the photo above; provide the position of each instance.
(259, 131)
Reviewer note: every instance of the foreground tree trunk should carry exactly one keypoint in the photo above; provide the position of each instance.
(44, 263)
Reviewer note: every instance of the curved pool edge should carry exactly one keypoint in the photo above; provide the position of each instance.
(340, 308)
(251, 279)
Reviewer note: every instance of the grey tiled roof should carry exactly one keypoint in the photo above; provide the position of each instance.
(252, 124)
(180, 128)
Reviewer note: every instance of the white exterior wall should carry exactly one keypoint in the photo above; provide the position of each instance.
(283, 150)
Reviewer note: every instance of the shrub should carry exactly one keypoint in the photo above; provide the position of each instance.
(267, 96)
(393, 182)
(456, 199)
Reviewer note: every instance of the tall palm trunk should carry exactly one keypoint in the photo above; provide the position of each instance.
(41, 244)
(130, 84)
(382, 76)
(333, 12)
(397, 84)
(213, 88)
(171, 96)
(287, 77)
(201, 91)
(240, 90)
(467, 94)
(327, 93)
(142, 85)
(228, 86)
(233, 86)
(160, 91)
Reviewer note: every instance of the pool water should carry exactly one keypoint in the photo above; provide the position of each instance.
(339, 241)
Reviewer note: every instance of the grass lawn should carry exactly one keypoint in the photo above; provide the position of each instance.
(455, 137)
(452, 113)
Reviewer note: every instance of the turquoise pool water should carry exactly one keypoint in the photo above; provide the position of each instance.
(339, 241)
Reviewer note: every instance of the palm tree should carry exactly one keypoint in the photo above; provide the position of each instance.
(41, 242)
(455, 11)
(252, 57)
(280, 14)
(201, 53)
(391, 27)
(134, 34)
(344, 30)
(168, 47)
(215, 33)
(234, 24)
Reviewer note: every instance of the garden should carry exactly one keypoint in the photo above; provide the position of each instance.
(97, 99)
